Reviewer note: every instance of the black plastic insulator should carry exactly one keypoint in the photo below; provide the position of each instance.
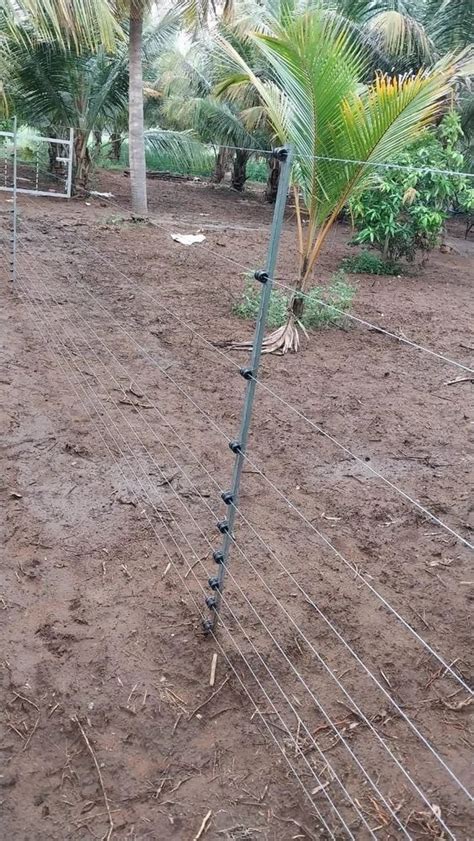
(218, 556)
(246, 373)
(211, 603)
(227, 497)
(223, 526)
(281, 153)
(207, 625)
(213, 582)
(261, 276)
(235, 446)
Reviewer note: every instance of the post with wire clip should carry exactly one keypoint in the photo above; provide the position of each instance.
(249, 373)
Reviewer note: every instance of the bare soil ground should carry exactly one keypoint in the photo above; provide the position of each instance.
(114, 419)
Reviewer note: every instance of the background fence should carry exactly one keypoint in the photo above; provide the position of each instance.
(298, 661)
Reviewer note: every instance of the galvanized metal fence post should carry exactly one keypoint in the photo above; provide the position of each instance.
(239, 446)
(15, 208)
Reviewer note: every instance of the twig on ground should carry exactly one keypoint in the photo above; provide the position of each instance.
(32, 733)
(194, 564)
(132, 693)
(134, 392)
(15, 730)
(211, 696)
(99, 774)
(440, 673)
(458, 705)
(176, 724)
(212, 678)
(27, 700)
(204, 826)
(460, 380)
(136, 405)
(301, 826)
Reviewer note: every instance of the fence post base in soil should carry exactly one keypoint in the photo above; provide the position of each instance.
(231, 497)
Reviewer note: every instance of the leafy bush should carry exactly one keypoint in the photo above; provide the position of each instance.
(404, 211)
(339, 294)
(369, 263)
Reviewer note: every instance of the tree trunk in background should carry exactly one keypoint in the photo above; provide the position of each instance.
(239, 169)
(136, 138)
(115, 146)
(221, 165)
(272, 181)
(82, 161)
(54, 152)
(97, 140)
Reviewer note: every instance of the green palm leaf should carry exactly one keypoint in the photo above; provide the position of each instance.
(338, 131)
(81, 24)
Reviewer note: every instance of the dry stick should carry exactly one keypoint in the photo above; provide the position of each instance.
(33, 731)
(212, 678)
(27, 700)
(460, 380)
(99, 774)
(204, 826)
(213, 695)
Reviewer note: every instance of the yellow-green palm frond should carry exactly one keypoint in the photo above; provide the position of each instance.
(254, 118)
(399, 34)
(86, 24)
(339, 130)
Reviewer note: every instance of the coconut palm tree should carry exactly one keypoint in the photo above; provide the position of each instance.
(184, 88)
(53, 89)
(98, 25)
(419, 31)
(197, 14)
(338, 130)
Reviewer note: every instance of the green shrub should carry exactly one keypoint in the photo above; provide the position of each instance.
(369, 263)
(404, 211)
(339, 294)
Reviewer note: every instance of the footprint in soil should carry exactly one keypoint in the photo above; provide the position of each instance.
(56, 642)
(77, 610)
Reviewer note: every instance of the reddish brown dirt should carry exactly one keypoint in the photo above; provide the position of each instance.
(100, 496)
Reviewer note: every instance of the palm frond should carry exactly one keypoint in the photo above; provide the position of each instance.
(451, 23)
(398, 34)
(82, 24)
(181, 146)
(338, 130)
(54, 87)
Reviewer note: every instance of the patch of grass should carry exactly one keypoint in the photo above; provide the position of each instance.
(321, 303)
(369, 263)
(257, 170)
(247, 306)
(161, 162)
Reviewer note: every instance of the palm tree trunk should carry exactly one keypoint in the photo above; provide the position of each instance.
(82, 161)
(98, 140)
(296, 308)
(271, 188)
(239, 170)
(115, 146)
(220, 167)
(136, 125)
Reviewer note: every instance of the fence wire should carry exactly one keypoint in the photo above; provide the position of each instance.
(67, 343)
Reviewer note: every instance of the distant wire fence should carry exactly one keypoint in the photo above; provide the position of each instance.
(290, 653)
